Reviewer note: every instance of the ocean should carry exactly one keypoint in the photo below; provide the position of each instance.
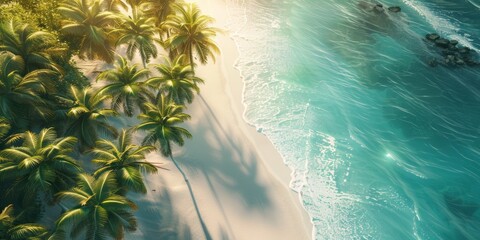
(383, 144)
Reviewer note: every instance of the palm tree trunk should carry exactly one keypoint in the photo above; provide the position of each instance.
(202, 223)
(191, 60)
(144, 62)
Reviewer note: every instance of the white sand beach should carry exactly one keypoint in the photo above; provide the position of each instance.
(238, 177)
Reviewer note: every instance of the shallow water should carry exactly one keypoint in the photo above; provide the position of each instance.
(382, 145)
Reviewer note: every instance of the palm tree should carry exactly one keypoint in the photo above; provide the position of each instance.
(158, 9)
(97, 211)
(160, 121)
(191, 33)
(31, 48)
(114, 5)
(40, 165)
(125, 161)
(125, 86)
(134, 3)
(88, 117)
(4, 128)
(6, 221)
(87, 20)
(11, 231)
(176, 80)
(20, 93)
(138, 33)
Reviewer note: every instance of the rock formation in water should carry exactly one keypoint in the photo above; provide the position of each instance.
(451, 54)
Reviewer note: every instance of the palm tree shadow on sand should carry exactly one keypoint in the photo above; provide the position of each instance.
(225, 162)
(158, 220)
(230, 162)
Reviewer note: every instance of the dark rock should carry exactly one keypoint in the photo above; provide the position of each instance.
(442, 42)
(450, 60)
(452, 48)
(453, 55)
(464, 50)
(448, 52)
(378, 9)
(432, 36)
(379, 5)
(470, 62)
(394, 9)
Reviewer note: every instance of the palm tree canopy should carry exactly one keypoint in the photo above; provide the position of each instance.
(138, 33)
(97, 211)
(87, 20)
(158, 9)
(114, 5)
(10, 231)
(88, 117)
(4, 128)
(41, 164)
(125, 86)
(176, 80)
(160, 120)
(191, 32)
(32, 48)
(124, 160)
(17, 90)
(6, 219)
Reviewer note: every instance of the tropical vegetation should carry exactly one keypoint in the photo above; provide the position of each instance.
(191, 33)
(176, 80)
(10, 230)
(126, 86)
(63, 141)
(87, 116)
(138, 34)
(124, 161)
(41, 164)
(87, 21)
(160, 121)
(97, 211)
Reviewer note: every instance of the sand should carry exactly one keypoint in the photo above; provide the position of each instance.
(238, 178)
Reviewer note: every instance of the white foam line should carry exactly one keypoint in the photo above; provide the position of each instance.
(440, 24)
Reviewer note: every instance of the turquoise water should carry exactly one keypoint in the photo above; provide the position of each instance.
(382, 145)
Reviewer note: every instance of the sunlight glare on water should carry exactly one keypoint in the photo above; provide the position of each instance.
(382, 145)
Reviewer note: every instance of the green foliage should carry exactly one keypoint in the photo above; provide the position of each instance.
(4, 128)
(11, 231)
(71, 77)
(40, 165)
(88, 118)
(124, 160)
(177, 80)
(40, 13)
(138, 33)
(6, 220)
(158, 9)
(160, 121)
(88, 25)
(96, 210)
(191, 33)
(13, 11)
(33, 48)
(39, 83)
(126, 86)
(19, 95)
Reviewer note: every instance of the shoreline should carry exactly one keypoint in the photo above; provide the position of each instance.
(239, 179)
(234, 89)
